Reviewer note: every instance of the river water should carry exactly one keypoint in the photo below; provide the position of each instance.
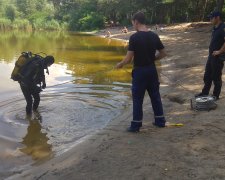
(83, 94)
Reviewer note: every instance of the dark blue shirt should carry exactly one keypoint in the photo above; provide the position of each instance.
(217, 39)
(144, 45)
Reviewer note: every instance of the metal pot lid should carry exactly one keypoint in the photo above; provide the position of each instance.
(204, 99)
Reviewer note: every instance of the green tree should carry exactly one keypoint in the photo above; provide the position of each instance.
(27, 7)
(94, 14)
(41, 5)
(220, 4)
(10, 12)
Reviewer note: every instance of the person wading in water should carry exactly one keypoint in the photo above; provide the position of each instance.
(32, 80)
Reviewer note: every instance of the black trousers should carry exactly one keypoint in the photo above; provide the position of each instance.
(213, 73)
(30, 93)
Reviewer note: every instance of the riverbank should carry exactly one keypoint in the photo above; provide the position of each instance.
(194, 151)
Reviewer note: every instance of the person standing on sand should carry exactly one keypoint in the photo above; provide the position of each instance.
(142, 49)
(215, 62)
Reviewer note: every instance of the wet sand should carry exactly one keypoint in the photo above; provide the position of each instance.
(193, 151)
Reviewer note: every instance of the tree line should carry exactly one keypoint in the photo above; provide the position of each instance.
(82, 15)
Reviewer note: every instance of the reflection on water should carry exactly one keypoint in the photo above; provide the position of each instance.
(83, 55)
(36, 141)
(84, 92)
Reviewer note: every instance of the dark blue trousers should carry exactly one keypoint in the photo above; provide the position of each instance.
(146, 78)
(213, 73)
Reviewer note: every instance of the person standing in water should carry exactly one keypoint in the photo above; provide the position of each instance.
(33, 81)
(142, 49)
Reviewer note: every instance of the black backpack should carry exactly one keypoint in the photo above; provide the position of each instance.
(23, 62)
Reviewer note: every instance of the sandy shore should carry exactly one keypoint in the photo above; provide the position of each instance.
(193, 151)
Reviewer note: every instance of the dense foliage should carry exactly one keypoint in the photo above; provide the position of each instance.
(80, 15)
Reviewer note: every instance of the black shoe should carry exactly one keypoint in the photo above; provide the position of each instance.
(216, 98)
(200, 95)
(159, 125)
(134, 130)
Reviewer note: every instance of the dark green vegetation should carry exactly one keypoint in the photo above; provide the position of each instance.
(80, 15)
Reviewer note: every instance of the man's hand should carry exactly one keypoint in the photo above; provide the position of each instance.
(43, 86)
(161, 54)
(216, 53)
(220, 51)
(128, 58)
(119, 65)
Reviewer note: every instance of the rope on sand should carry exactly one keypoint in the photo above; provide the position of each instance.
(177, 82)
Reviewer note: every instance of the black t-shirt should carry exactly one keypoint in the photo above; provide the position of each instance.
(144, 45)
(217, 39)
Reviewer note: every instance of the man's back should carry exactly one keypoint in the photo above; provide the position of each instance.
(144, 45)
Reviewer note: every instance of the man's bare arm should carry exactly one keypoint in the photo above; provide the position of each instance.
(128, 58)
(222, 50)
(161, 54)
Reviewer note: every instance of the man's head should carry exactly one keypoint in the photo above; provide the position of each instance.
(138, 19)
(49, 60)
(215, 17)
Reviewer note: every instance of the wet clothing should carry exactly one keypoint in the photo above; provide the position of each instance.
(33, 72)
(30, 93)
(32, 79)
(214, 65)
(145, 77)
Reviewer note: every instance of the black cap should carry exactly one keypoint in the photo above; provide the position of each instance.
(214, 14)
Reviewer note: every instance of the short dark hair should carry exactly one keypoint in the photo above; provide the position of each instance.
(139, 16)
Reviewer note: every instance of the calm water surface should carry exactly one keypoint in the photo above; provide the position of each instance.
(83, 94)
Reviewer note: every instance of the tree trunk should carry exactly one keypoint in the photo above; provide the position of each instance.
(220, 5)
(204, 8)
(196, 17)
